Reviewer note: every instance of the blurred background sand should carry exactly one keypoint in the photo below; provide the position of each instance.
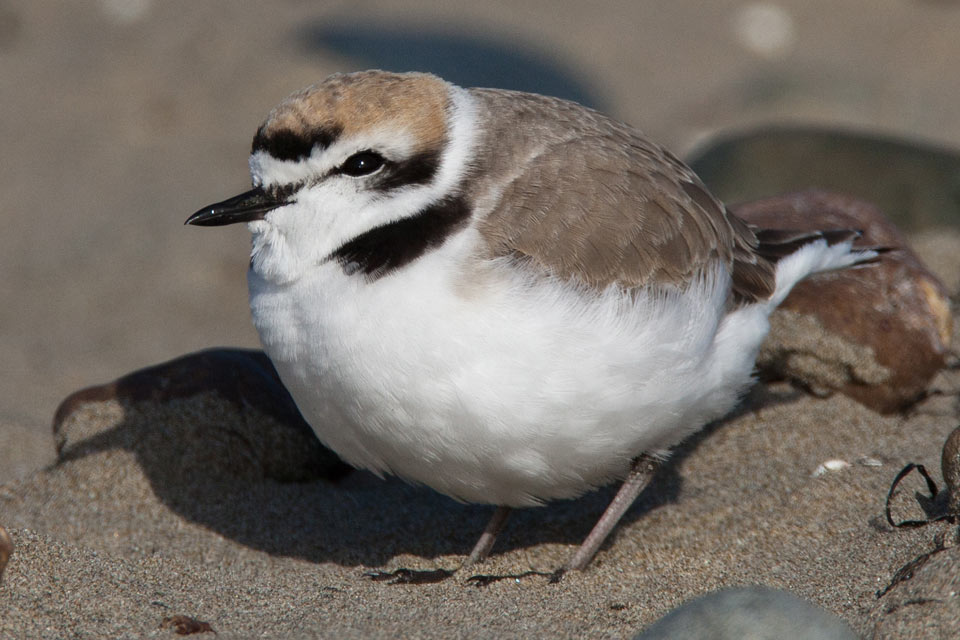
(122, 117)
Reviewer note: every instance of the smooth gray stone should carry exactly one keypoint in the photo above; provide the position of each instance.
(914, 183)
(748, 613)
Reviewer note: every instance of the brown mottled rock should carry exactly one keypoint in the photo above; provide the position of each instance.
(876, 333)
(219, 413)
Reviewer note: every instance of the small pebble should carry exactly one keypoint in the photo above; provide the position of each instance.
(185, 625)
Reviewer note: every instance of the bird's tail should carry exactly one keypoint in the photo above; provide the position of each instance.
(799, 254)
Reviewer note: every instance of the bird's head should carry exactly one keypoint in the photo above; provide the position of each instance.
(346, 169)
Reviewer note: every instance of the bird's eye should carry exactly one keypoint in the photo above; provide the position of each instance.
(362, 164)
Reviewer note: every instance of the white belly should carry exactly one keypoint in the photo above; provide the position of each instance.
(509, 392)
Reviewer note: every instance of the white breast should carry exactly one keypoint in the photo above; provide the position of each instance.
(511, 391)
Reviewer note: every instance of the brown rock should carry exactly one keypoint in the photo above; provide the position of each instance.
(221, 413)
(876, 333)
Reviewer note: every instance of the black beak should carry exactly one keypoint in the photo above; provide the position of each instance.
(252, 205)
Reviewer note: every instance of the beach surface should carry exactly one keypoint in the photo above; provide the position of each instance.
(121, 118)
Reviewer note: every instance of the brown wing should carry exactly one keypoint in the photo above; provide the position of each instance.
(585, 197)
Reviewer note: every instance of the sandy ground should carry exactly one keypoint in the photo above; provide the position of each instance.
(132, 530)
(122, 117)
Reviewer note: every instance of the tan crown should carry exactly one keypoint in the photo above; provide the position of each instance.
(357, 102)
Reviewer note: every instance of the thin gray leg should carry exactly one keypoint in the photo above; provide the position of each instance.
(644, 467)
(482, 549)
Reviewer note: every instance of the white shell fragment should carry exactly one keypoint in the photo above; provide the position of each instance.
(830, 465)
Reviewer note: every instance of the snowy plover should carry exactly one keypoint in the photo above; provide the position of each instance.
(507, 297)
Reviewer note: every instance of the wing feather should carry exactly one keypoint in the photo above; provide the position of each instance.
(591, 199)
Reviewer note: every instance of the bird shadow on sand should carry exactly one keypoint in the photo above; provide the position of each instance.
(222, 446)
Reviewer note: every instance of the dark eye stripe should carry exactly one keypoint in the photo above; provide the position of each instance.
(285, 144)
(418, 169)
